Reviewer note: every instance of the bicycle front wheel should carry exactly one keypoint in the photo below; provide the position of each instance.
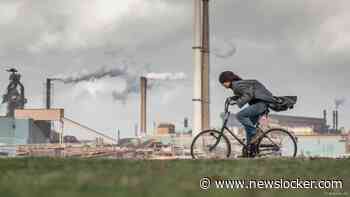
(277, 143)
(210, 144)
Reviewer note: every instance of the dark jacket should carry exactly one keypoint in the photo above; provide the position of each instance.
(249, 91)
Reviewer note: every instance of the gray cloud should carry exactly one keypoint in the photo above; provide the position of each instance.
(66, 25)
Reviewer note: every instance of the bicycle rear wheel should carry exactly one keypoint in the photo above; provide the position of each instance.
(210, 144)
(276, 143)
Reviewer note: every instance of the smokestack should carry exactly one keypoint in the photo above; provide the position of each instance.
(118, 137)
(197, 71)
(336, 120)
(48, 93)
(143, 93)
(201, 67)
(186, 122)
(136, 129)
(333, 125)
(325, 128)
(206, 66)
(338, 102)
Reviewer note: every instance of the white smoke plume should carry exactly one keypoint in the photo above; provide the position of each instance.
(132, 80)
(88, 76)
(338, 102)
(132, 86)
(166, 76)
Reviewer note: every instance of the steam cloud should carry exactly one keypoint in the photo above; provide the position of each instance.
(88, 76)
(132, 86)
(132, 80)
(166, 76)
(338, 102)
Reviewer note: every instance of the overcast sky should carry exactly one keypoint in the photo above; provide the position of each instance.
(294, 47)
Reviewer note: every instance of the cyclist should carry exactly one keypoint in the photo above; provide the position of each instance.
(250, 92)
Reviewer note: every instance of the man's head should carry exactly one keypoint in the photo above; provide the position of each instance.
(227, 77)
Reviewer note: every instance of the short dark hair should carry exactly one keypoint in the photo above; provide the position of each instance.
(228, 76)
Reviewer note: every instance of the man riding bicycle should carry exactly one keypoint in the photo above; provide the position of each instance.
(250, 92)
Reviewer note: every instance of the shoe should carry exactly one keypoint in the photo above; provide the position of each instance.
(252, 150)
(245, 153)
(248, 154)
(257, 136)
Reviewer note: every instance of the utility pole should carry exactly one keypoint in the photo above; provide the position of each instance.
(197, 70)
(205, 66)
(201, 112)
(118, 137)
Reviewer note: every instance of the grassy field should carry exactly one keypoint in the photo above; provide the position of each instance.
(35, 177)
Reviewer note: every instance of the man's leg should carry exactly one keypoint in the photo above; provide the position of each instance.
(248, 118)
(255, 119)
(252, 148)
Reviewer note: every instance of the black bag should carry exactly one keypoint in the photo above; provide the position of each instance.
(283, 103)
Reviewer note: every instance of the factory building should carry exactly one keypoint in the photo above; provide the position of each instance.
(23, 131)
(298, 124)
(165, 129)
(15, 131)
(14, 128)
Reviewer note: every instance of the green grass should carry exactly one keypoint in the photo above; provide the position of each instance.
(35, 177)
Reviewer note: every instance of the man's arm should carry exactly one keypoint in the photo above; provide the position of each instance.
(247, 93)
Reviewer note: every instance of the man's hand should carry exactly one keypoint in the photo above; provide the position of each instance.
(234, 98)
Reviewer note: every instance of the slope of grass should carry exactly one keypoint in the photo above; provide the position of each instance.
(35, 177)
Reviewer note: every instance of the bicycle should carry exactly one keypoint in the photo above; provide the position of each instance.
(214, 144)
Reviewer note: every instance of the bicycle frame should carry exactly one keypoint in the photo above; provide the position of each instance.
(224, 126)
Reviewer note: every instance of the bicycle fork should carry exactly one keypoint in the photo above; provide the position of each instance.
(217, 141)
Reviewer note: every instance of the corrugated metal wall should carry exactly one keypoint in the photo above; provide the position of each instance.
(21, 131)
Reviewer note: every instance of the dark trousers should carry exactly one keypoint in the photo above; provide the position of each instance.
(249, 116)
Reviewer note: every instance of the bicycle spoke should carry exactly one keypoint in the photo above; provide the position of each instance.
(277, 142)
(210, 145)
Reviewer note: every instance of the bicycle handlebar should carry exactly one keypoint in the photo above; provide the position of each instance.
(229, 101)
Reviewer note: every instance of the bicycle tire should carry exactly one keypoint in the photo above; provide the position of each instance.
(226, 141)
(295, 147)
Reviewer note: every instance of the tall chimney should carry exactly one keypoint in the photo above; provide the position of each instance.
(201, 67)
(118, 137)
(333, 126)
(336, 120)
(136, 130)
(325, 128)
(197, 70)
(143, 88)
(48, 93)
(206, 67)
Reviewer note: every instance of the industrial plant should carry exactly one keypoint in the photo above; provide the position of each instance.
(43, 131)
